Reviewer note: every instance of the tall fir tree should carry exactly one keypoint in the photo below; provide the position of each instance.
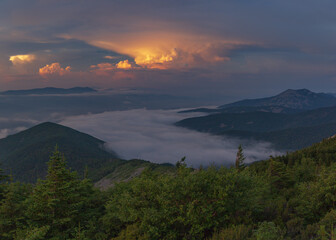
(3, 177)
(12, 209)
(240, 158)
(57, 205)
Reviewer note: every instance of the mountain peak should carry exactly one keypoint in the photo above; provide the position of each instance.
(293, 99)
(27, 152)
(303, 91)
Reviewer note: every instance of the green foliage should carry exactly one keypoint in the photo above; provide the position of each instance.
(12, 209)
(268, 231)
(187, 206)
(234, 232)
(181, 163)
(60, 203)
(3, 177)
(286, 197)
(278, 175)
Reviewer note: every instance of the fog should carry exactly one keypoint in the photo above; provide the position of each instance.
(10, 126)
(151, 135)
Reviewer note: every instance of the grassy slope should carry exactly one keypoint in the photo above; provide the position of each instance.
(130, 169)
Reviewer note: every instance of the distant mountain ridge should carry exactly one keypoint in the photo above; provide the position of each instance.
(50, 90)
(290, 120)
(295, 99)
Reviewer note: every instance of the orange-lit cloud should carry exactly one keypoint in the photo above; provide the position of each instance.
(124, 65)
(102, 68)
(167, 50)
(53, 69)
(111, 57)
(115, 72)
(22, 59)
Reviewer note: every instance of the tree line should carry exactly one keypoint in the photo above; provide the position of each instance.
(287, 197)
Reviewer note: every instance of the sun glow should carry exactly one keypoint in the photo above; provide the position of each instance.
(124, 65)
(22, 59)
(150, 58)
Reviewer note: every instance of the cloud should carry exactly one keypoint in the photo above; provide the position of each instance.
(150, 135)
(12, 125)
(53, 69)
(111, 57)
(177, 36)
(103, 67)
(6, 131)
(124, 64)
(22, 59)
(156, 50)
(113, 71)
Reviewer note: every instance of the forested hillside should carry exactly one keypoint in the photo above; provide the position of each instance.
(286, 197)
(25, 153)
(287, 131)
(294, 99)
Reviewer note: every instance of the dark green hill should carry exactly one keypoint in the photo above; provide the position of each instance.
(322, 153)
(26, 153)
(295, 99)
(285, 131)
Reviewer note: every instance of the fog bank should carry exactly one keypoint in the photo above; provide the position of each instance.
(150, 135)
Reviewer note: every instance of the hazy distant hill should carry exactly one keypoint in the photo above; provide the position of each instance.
(286, 131)
(50, 90)
(245, 109)
(295, 99)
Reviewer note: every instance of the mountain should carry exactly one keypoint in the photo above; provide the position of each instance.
(285, 131)
(50, 90)
(244, 109)
(25, 154)
(295, 99)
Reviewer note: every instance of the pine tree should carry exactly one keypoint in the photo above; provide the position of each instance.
(278, 175)
(55, 202)
(3, 177)
(240, 158)
(12, 209)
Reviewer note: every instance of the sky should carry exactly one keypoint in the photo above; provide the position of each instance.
(186, 47)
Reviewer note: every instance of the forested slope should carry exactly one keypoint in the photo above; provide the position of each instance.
(285, 197)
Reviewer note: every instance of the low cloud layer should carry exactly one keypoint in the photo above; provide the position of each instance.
(9, 131)
(150, 135)
(9, 126)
